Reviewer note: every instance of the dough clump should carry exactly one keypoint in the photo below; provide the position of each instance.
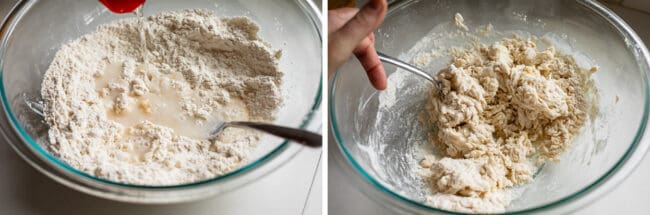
(503, 109)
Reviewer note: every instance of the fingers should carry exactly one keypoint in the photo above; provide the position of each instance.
(337, 18)
(365, 21)
(367, 55)
(343, 41)
(336, 55)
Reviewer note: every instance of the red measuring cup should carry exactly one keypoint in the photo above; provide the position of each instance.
(122, 6)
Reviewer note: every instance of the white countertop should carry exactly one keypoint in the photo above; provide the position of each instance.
(25, 191)
(631, 197)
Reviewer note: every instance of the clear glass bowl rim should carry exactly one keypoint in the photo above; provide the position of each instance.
(6, 29)
(623, 29)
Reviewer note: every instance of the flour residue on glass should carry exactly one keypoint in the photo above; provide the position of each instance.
(398, 114)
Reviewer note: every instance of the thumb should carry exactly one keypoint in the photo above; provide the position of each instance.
(359, 27)
(365, 21)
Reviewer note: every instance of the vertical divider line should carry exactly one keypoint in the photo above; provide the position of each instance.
(311, 186)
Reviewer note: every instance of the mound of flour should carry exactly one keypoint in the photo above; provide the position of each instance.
(133, 101)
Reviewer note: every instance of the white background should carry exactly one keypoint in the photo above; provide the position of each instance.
(24, 191)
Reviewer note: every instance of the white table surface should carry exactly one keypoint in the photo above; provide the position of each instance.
(630, 198)
(24, 191)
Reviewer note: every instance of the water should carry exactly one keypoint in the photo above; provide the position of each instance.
(143, 36)
(131, 6)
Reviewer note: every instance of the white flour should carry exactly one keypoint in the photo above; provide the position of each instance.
(138, 116)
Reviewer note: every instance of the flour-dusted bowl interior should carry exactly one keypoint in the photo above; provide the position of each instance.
(378, 133)
(35, 30)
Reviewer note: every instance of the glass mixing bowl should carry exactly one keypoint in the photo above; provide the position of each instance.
(378, 144)
(34, 31)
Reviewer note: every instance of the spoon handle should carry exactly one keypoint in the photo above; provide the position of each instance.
(408, 67)
(297, 135)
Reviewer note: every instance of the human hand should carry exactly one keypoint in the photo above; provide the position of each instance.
(350, 32)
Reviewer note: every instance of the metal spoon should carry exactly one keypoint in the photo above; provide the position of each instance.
(408, 67)
(303, 137)
(293, 134)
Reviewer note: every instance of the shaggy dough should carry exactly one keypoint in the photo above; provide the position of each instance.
(500, 106)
